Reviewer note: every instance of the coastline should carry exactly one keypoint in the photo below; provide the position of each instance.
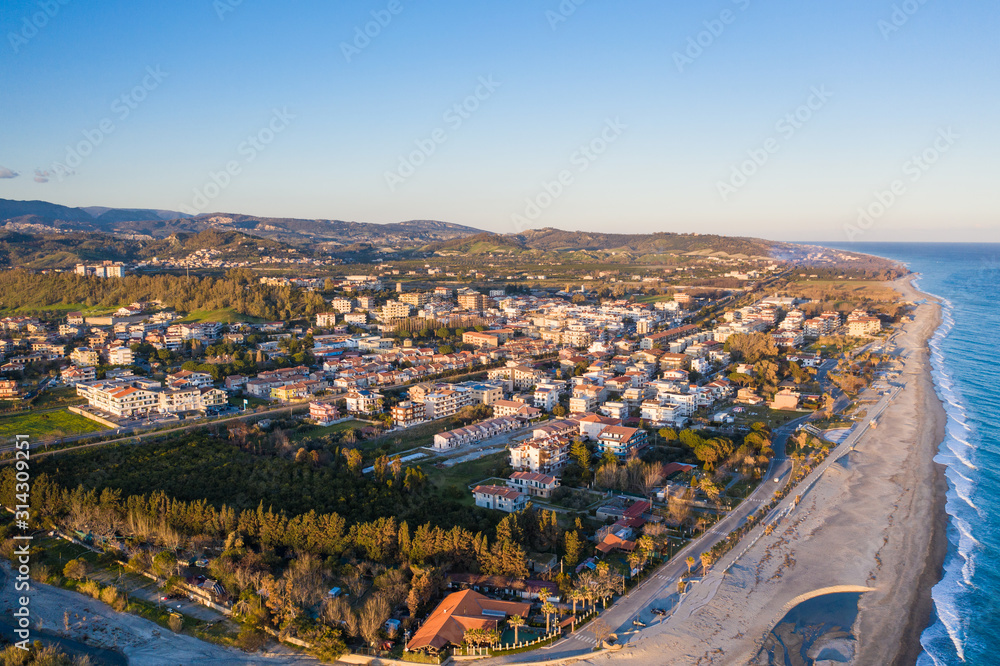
(933, 414)
(874, 522)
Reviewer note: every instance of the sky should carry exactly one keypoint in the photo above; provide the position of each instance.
(856, 120)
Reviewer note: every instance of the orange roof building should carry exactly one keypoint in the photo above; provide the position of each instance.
(458, 612)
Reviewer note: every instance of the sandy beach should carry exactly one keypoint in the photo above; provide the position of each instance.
(874, 523)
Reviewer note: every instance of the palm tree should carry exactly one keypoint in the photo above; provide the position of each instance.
(549, 611)
(690, 562)
(515, 621)
(576, 594)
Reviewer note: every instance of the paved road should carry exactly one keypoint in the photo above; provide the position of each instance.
(659, 589)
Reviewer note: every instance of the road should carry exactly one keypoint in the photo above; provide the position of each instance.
(659, 589)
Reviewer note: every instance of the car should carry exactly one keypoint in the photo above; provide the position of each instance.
(658, 611)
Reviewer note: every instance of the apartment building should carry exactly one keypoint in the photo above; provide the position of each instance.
(446, 402)
(620, 441)
(545, 455)
(408, 413)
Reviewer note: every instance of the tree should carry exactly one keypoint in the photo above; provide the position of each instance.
(601, 630)
(668, 434)
(581, 455)
(575, 595)
(76, 569)
(549, 610)
(689, 561)
(707, 558)
(574, 548)
(559, 411)
(516, 622)
(372, 617)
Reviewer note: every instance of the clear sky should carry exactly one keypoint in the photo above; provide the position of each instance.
(772, 119)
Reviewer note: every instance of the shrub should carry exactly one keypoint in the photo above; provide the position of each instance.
(251, 639)
(176, 623)
(76, 569)
(112, 597)
(90, 588)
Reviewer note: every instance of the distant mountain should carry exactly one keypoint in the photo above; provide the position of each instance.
(43, 217)
(86, 219)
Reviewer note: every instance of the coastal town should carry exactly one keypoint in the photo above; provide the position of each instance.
(608, 429)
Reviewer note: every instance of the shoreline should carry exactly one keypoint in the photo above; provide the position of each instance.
(874, 522)
(922, 609)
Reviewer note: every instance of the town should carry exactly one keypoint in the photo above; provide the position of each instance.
(599, 430)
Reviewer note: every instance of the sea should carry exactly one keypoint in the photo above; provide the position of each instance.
(965, 356)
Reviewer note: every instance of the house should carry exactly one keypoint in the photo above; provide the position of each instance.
(746, 396)
(786, 398)
(8, 389)
(72, 375)
(514, 408)
(459, 612)
(591, 425)
(190, 378)
(622, 442)
(533, 484)
(500, 498)
(323, 413)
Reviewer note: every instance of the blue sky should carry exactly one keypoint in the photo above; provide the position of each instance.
(682, 138)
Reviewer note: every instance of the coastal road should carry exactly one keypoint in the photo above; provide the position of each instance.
(658, 589)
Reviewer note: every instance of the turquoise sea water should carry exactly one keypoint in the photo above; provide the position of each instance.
(965, 352)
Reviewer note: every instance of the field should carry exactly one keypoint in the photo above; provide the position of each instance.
(654, 298)
(38, 424)
(319, 431)
(58, 397)
(466, 473)
(223, 315)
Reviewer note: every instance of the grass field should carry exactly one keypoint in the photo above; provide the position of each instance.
(462, 474)
(37, 424)
(654, 298)
(319, 431)
(58, 397)
(223, 315)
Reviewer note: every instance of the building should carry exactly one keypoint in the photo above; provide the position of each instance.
(472, 301)
(84, 356)
(396, 310)
(73, 375)
(445, 402)
(459, 612)
(105, 269)
(516, 377)
(487, 338)
(620, 441)
(863, 326)
(475, 432)
(533, 484)
(121, 356)
(786, 398)
(8, 389)
(363, 401)
(545, 455)
(415, 298)
(323, 413)
(342, 305)
(514, 408)
(408, 413)
(190, 378)
(500, 498)
(122, 398)
(327, 319)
